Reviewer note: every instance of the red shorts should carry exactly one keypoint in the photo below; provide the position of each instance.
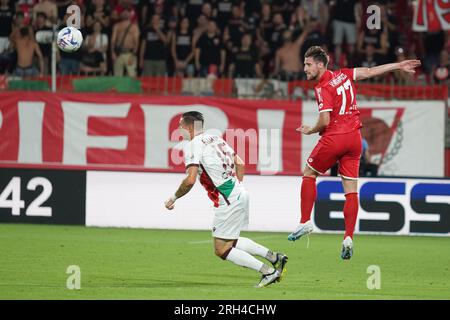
(343, 148)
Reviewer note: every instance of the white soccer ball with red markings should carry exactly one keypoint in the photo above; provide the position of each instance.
(69, 39)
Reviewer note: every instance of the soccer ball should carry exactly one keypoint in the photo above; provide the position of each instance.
(69, 39)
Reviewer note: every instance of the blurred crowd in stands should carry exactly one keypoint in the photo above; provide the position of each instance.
(227, 38)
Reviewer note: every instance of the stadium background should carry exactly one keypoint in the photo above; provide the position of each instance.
(100, 151)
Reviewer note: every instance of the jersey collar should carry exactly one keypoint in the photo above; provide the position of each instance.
(328, 75)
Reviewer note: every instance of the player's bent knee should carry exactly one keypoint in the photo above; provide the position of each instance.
(309, 173)
(350, 185)
(218, 251)
(222, 253)
(222, 250)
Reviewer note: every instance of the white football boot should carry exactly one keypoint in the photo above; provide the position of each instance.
(301, 230)
(269, 279)
(347, 248)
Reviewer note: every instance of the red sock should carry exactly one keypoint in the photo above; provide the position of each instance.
(350, 213)
(308, 195)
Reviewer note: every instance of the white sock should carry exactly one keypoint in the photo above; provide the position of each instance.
(254, 248)
(244, 259)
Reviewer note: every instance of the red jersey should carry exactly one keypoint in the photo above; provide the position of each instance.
(336, 93)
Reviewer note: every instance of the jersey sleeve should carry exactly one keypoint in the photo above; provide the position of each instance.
(351, 73)
(324, 99)
(192, 152)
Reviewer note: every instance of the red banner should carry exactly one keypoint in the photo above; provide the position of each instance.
(136, 132)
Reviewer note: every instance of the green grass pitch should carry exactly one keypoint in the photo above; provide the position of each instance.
(162, 264)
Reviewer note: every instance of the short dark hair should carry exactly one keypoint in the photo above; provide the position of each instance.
(318, 54)
(192, 116)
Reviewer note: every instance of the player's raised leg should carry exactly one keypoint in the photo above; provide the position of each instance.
(226, 250)
(308, 194)
(350, 215)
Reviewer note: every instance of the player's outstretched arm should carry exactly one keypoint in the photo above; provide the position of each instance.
(408, 66)
(240, 167)
(185, 186)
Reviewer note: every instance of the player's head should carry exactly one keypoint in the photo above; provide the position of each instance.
(316, 62)
(191, 124)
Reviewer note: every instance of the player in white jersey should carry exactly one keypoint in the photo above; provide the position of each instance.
(221, 171)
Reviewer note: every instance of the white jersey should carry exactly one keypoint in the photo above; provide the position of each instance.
(215, 159)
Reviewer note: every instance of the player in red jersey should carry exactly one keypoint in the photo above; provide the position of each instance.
(339, 125)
